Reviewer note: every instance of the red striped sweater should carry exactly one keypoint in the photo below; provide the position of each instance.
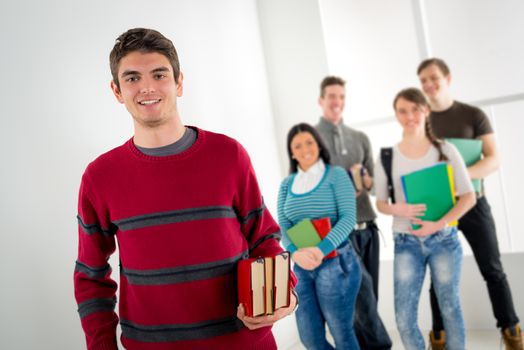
(181, 222)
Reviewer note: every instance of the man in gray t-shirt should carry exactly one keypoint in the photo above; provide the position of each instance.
(351, 149)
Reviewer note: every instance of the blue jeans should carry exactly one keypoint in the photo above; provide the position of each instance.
(478, 226)
(328, 294)
(443, 253)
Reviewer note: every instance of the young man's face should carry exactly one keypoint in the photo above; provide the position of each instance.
(147, 88)
(434, 83)
(333, 102)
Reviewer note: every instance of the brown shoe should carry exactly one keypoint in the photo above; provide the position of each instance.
(437, 344)
(513, 340)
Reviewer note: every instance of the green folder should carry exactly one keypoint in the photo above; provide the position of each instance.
(304, 234)
(432, 186)
(471, 152)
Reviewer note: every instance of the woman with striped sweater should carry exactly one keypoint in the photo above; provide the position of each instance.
(327, 288)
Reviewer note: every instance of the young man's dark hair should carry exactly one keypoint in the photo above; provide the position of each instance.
(330, 80)
(437, 62)
(146, 41)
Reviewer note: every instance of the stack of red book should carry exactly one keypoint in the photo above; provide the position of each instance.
(263, 284)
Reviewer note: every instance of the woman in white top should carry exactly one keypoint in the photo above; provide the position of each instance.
(435, 243)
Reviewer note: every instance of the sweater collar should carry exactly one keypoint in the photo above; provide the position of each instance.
(201, 135)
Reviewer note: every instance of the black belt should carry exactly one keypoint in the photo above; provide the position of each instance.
(363, 225)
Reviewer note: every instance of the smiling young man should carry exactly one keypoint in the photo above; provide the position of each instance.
(453, 119)
(351, 149)
(184, 206)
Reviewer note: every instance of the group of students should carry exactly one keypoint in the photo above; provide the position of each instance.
(318, 187)
(183, 206)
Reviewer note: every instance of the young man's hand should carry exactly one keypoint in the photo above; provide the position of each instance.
(366, 180)
(265, 321)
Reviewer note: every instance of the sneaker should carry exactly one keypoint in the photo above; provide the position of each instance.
(437, 343)
(513, 338)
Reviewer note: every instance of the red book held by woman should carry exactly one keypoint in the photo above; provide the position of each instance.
(323, 226)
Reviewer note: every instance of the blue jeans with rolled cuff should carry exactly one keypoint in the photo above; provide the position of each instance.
(328, 294)
(442, 252)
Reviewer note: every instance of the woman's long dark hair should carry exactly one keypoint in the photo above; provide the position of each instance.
(304, 127)
(416, 96)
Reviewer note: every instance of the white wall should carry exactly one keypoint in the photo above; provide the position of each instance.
(295, 61)
(59, 114)
(252, 69)
(508, 123)
(480, 39)
(373, 45)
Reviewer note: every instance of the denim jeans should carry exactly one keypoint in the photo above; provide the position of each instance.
(328, 294)
(370, 330)
(443, 253)
(478, 226)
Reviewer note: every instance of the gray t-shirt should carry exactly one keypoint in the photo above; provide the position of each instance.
(346, 147)
(403, 165)
(186, 141)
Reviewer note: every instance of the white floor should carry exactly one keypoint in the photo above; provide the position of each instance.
(475, 340)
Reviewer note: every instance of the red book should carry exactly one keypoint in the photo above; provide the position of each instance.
(281, 290)
(263, 284)
(323, 226)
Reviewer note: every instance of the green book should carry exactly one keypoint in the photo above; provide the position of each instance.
(471, 152)
(432, 186)
(304, 234)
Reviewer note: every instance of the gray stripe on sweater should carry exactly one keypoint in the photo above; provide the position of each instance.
(96, 305)
(178, 332)
(92, 272)
(170, 217)
(253, 213)
(94, 228)
(276, 235)
(185, 273)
